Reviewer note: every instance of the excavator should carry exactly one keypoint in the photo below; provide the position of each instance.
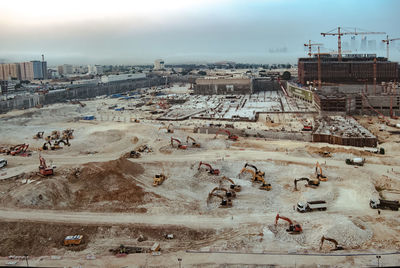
(20, 150)
(228, 193)
(180, 145)
(233, 186)
(194, 143)
(39, 135)
(56, 145)
(159, 179)
(225, 203)
(294, 228)
(337, 246)
(169, 128)
(257, 178)
(258, 172)
(44, 169)
(210, 169)
(55, 135)
(230, 136)
(313, 183)
(68, 134)
(319, 174)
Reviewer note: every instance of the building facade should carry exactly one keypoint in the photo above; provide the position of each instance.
(223, 86)
(159, 64)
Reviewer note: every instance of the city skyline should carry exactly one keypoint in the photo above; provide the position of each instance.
(133, 32)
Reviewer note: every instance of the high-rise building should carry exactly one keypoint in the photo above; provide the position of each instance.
(37, 69)
(353, 43)
(10, 71)
(363, 45)
(158, 64)
(44, 70)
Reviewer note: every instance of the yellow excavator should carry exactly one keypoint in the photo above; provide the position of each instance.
(68, 134)
(55, 135)
(258, 172)
(233, 186)
(169, 128)
(313, 183)
(257, 178)
(194, 143)
(228, 193)
(337, 246)
(225, 202)
(319, 174)
(159, 179)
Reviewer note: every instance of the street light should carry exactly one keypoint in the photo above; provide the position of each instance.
(26, 259)
(180, 260)
(378, 258)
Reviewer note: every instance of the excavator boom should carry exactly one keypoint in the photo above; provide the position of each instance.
(294, 228)
(319, 174)
(337, 246)
(211, 170)
(233, 186)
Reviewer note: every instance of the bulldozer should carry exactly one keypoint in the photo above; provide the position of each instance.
(228, 193)
(194, 143)
(159, 179)
(180, 145)
(337, 246)
(169, 128)
(257, 178)
(44, 169)
(210, 169)
(319, 174)
(294, 228)
(313, 183)
(39, 135)
(230, 136)
(233, 186)
(225, 202)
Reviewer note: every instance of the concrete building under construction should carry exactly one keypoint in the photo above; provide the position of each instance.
(352, 69)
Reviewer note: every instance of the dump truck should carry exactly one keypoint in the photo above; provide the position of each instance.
(73, 240)
(357, 161)
(384, 204)
(311, 206)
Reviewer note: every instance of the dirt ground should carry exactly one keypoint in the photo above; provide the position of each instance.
(111, 199)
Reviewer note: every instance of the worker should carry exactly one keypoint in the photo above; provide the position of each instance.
(379, 212)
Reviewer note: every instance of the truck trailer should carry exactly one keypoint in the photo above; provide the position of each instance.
(384, 204)
(311, 206)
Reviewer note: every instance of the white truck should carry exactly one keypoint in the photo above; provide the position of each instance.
(311, 206)
(358, 161)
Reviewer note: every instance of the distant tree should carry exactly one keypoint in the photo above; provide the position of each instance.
(286, 75)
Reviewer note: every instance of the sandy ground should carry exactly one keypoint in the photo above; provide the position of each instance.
(93, 187)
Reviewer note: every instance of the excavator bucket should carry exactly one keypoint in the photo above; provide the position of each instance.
(266, 187)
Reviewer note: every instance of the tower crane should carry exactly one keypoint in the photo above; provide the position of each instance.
(342, 31)
(310, 45)
(387, 41)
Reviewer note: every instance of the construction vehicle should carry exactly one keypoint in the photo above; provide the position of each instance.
(44, 169)
(230, 136)
(144, 149)
(180, 145)
(55, 135)
(159, 179)
(384, 204)
(379, 150)
(3, 162)
(337, 246)
(257, 178)
(72, 240)
(310, 183)
(134, 154)
(307, 128)
(319, 174)
(294, 227)
(68, 134)
(56, 146)
(311, 206)
(194, 143)
(169, 128)
(39, 135)
(225, 202)
(210, 169)
(358, 161)
(20, 150)
(258, 172)
(233, 186)
(229, 194)
(325, 153)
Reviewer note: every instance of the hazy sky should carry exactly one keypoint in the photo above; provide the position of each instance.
(185, 31)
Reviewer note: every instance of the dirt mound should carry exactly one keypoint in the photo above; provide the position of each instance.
(316, 150)
(108, 136)
(99, 186)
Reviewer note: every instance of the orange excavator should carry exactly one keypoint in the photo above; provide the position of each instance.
(44, 169)
(310, 183)
(319, 174)
(20, 150)
(233, 186)
(337, 246)
(257, 178)
(194, 143)
(225, 202)
(230, 136)
(169, 128)
(294, 228)
(210, 169)
(228, 193)
(180, 145)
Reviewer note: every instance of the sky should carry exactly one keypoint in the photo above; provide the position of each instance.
(188, 31)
